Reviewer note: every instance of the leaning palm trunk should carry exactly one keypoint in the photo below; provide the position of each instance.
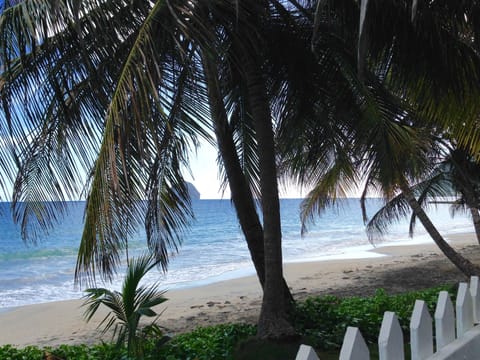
(464, 265)
(476, 221)
(240, 192)
(469, 197)
(273, 323)
(472, 203)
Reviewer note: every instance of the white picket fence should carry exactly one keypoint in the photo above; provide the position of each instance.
(465, 345)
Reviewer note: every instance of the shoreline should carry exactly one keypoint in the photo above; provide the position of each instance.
(399, 268)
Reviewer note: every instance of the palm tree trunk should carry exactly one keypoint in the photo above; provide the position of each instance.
(464, 265)
(471, 201)
(467, 189)
(273, 323)
(476, 221)
(240, 192)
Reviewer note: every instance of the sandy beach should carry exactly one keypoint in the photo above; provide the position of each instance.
(400, 268)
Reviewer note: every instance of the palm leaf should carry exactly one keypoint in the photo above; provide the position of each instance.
(128, 306)
(139, 133)
(432, 61)
(395, 209)
(437, 185)
(62, 120)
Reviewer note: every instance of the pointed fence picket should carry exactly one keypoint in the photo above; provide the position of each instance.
(474, 292)
(464, 310)
(306, 353)
(353, 343)
(390, 339)
(444, 320)
(466, 345)
(421, 337)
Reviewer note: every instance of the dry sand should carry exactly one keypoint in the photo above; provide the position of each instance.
(401, 268)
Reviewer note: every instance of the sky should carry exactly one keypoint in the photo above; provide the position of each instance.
(204, 168)
(206, 178)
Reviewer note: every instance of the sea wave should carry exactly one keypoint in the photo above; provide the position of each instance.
(213, 249)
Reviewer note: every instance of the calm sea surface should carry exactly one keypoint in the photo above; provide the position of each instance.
(212, 250)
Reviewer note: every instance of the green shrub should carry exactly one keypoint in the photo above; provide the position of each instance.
(212, 343)
(76, 352)
(207, 343)
(323, 320)
(9, 352)
(84, 352)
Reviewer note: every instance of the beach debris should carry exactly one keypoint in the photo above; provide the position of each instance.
(196, 306)
(212, 303)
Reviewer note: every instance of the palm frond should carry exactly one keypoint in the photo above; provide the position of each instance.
(432, 61)
(394, 210)
(331, 183)
(107, 88)
(111, 299)
(149, 123)
(437, 185)
(59, 119)
(128, 306)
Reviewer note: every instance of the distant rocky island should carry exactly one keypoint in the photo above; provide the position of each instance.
(192, 190)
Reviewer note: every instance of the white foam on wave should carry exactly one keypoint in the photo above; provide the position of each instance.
(217, 255)
(39, 294)
(357, 252)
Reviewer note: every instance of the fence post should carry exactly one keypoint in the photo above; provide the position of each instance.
(444, 320)
(474, 291)
(354, 346)
(421, 337)
(306, 353)
(390, 339)
(464, 310)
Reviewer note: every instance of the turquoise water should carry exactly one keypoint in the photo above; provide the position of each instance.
(212, 250)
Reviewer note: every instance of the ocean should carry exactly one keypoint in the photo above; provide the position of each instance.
(212, 250)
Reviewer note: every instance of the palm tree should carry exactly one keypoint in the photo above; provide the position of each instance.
(118, 91)
(86, 115)
(455, 176)
(241, 192)
(383, 133)
(411, 53)
(273, 319)
(464, 175)
(128, 306)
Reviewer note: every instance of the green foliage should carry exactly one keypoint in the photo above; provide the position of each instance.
(128, 306)
(9, 352)
(256, 348)
(77, 352)
(207, 343)
(84, 352)
(323, 320)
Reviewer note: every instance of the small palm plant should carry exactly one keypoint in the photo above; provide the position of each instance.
(128, 306)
